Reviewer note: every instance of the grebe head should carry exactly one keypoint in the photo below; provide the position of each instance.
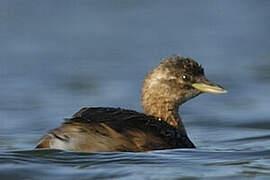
(174, 81)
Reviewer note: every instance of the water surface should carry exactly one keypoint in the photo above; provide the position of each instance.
(59, 56)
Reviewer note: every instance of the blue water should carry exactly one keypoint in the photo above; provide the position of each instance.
(59, 56)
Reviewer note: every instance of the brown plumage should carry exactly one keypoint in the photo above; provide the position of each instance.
(174, 81)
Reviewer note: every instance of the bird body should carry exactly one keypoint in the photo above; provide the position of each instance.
(174, 81)
(114, 129)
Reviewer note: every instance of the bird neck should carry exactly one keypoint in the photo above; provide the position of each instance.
(163, 110)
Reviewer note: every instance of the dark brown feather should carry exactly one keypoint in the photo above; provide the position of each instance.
(116, 130)
(123, 121)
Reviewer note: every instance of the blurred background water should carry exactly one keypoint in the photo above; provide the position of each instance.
(59, 56)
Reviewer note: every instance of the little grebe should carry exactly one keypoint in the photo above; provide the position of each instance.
(174, 81)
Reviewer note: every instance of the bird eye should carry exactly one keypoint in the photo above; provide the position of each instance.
(184, 77)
